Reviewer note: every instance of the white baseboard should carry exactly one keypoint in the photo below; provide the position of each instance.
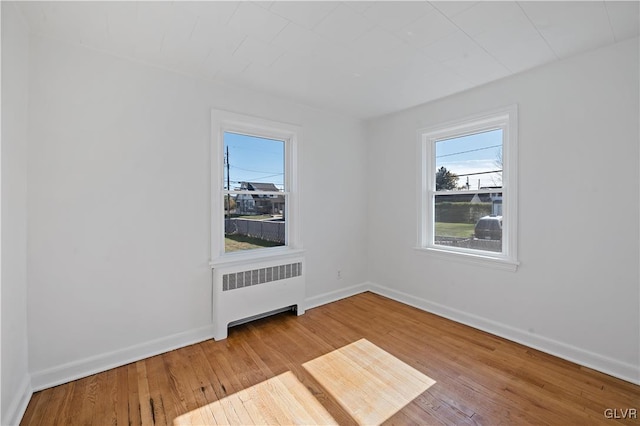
(333, 296)
(74, 370)
(18, 404)
(85, 367)
(612, 367)
(54, 376)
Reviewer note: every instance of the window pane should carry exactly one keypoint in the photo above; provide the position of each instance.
(255, 222)
(471, 221)
(253, 163)
(469, 162)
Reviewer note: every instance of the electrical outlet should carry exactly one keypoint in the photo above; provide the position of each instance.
(339, 274)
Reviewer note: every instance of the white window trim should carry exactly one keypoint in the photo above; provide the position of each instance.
(225, 121)
(506, 119)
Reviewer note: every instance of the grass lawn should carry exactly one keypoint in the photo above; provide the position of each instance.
(253, 217)
(242, 242)
(463, 230)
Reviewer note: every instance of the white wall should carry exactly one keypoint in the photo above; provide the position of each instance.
(576, 292)
(15, 378)
(119, 206)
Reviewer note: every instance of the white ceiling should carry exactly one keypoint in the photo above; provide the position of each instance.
(363, 58)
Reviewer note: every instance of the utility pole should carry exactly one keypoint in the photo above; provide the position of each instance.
(228, 186)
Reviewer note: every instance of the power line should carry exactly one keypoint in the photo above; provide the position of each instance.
(256, 171)
(254, 180)
(480, 173)
(465, 152)
(261, 177)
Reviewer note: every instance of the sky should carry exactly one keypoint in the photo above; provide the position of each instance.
(470, 154)
(254, 159)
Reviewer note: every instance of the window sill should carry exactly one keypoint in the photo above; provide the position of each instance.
(471, 258)
(239, 258)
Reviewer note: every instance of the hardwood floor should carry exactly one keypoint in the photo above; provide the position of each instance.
(480, 378)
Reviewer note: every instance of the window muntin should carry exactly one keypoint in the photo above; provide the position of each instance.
(468, 184)
(244, 149)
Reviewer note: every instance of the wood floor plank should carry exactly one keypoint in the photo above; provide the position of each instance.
(280, 361)
(177, 377)
(147, 415)
(108, 399)
(122, 397)
(55, 405)
(217, 412)
(360, 376)
(27, 418)
(133, 403)
(246, 379)
(89, 399)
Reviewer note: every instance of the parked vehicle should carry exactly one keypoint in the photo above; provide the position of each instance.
(489, 228)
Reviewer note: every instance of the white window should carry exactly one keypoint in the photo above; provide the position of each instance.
(468, 189)
(254, 183)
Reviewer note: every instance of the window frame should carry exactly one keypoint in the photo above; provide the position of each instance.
(503, 118)
(225, 121)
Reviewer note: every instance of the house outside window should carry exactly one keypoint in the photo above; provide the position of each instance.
(248, 204)
(468, 189)
(254, 188)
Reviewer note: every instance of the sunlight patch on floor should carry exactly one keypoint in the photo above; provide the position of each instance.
(369, 383)
(280, 400)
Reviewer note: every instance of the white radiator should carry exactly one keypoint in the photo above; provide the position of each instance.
(241, 292)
